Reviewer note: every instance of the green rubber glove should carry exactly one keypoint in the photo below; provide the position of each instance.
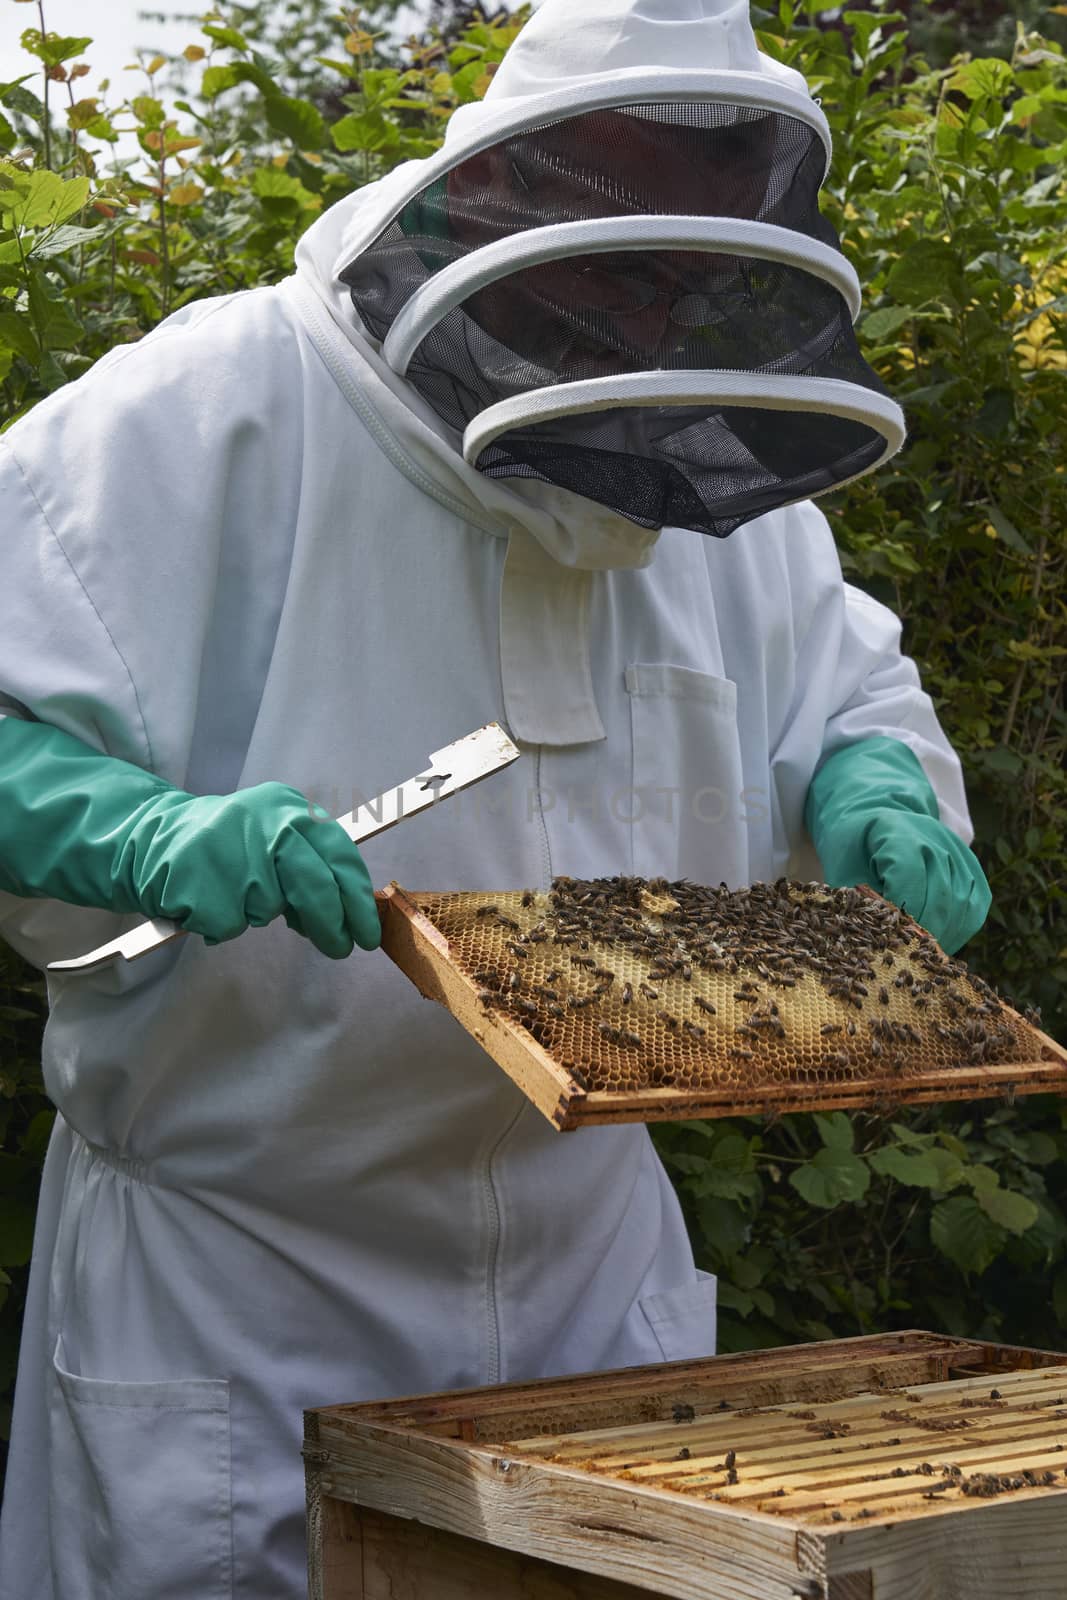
(873, 818)
(95, 831)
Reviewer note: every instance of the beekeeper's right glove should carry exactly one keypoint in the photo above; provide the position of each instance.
(95, 831)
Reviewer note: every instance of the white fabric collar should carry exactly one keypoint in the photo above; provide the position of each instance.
(556, 540)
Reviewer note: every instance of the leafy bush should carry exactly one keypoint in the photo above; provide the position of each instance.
(948, 190)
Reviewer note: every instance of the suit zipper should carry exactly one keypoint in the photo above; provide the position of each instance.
(546, 849)
(492, 1253)
(492, 1203)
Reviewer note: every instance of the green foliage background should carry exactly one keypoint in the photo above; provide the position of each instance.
(948, 189)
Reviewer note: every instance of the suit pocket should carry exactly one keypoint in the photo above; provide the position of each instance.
(683, 1320)
(688, 801)
(140, 1488)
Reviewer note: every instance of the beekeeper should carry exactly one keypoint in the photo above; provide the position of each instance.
(474, 460)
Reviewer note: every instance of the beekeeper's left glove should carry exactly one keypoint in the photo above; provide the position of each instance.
(873, 818)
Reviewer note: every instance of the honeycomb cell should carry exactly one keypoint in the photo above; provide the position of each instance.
(633, 985)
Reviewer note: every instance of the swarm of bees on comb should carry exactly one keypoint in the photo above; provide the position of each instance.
(633, 984)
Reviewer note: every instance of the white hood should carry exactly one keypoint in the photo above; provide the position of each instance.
(568, 59)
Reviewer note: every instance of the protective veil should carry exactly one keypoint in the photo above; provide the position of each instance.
(614, 276)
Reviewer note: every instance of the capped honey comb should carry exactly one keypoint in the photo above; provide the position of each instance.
(620, 999)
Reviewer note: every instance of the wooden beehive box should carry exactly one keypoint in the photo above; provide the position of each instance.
(721, 1036)
(900, 1467)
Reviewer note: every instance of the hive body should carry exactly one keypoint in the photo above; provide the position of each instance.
(647, 998)
(897, 1467)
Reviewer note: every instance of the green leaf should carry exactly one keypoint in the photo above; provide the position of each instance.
(280, 193)
(62, 330)
(297, 120)
(981, 1178)
(962, 1231)
(1012, 1211)
(1004, 267)
(252, 72)
(33, 199)
(748, 1273)
(1001, 759)
(906, 1135)
(51, 373)
(52, 48)
(918, 1171)
(832, 1176)
(216, 79)
(17, 334)
(950, 1169)
(68, 237)
(731, 1298)
(835, 1130)
(23, 102)
(1041, 1148)
(74, 195)
(149, 112)
(928, 269)
(984, 78)
(729, 1171)
(723, 1225)
(930, 394)
(348, 68)
(224, 35)
(880, 324)
(997, 414)
(1007, 531)
(367, 131)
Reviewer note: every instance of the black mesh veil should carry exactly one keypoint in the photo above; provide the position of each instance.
(711, 466)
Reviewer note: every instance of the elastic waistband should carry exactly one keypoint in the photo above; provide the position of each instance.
(130, 1166)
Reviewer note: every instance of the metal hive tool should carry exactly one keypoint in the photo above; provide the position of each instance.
(618, 999)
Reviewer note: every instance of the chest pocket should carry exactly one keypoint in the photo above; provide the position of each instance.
(687, 802)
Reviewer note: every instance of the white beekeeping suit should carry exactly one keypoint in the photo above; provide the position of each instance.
(251, 548)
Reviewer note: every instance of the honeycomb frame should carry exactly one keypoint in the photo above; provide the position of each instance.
(617, 1000)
